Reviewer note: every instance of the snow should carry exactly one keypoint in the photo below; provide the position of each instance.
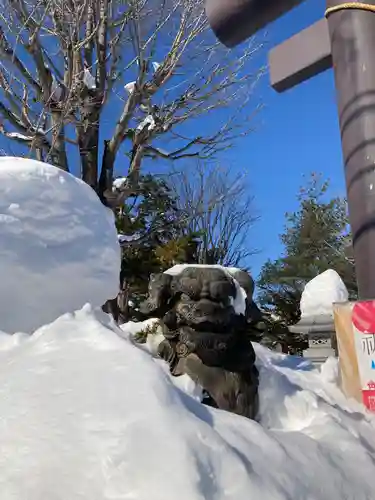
(89, 79)
(321, 292)
(131, 328)
(155, 66)
(119, 182)
(59, 246)
(127, 238)
(22, 137)
(184, 382)
(86, 414)
(130, 87)
(238, 303)
(17, 135)
(149, 120)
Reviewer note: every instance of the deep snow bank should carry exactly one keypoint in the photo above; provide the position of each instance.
(58, 245)
(87, 415)
(130, 331)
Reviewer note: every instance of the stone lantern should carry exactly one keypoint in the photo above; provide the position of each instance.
(317, 321)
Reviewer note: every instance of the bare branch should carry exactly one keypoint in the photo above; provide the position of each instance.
(132, 74)
(8, 53)
(219, 206)
(33, 46)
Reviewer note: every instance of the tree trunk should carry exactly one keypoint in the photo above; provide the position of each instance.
(58, 146)
(89, 140)
(106, 173)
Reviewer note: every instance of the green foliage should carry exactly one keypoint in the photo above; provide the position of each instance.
(276, 333)
(141, 336)
(183, 249)
(156, 229)
(316, 238)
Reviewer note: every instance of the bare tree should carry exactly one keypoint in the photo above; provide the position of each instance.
(220, 208)
(98, 83)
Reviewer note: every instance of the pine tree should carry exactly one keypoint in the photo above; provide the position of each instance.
(316, 238)
(154, 235)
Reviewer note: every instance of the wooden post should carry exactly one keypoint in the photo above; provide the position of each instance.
(352, 34)
(233, 21)
(301, 57)
(346, 41)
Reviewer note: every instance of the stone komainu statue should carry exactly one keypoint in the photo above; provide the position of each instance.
(204, 336)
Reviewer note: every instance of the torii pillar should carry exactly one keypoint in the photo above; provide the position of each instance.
(344, 40)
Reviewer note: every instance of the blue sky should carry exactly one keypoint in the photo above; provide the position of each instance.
(298, 133)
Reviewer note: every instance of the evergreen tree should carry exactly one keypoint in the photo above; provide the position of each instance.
(153, 233)
(316, 238)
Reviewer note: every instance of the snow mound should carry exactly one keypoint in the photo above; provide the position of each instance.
(86, 414)
(184, 382)
(59, 246)
(321, 292)
(239, 302)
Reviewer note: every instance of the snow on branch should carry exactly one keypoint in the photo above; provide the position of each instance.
(155, 63)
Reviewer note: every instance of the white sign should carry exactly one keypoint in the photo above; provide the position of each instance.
(363, 321)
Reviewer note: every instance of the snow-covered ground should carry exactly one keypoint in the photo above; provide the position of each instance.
(86, 414)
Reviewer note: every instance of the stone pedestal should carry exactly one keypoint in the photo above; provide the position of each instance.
(320, 331)
(317, 321)
(320, 348)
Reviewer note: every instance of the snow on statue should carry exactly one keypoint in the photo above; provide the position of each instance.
(58, 245)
